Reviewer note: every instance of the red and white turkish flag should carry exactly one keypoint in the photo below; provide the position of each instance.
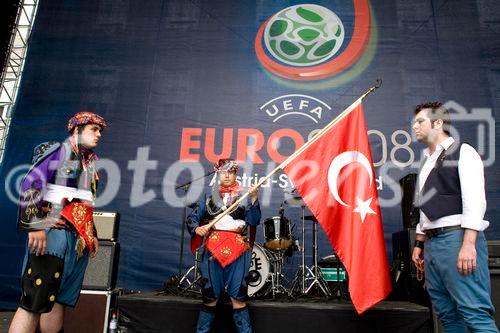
(335, 176)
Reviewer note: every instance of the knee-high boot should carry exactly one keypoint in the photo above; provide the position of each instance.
(241, 319)
(205, 319)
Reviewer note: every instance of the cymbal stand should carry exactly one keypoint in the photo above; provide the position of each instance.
(299, 281)
(318, 277)
(185, 284)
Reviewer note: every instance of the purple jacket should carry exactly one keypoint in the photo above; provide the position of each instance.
(54, 163)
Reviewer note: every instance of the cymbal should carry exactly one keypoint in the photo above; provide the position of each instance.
(311, 218)
(296, 201)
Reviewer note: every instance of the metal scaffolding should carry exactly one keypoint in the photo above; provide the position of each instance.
(11, 75)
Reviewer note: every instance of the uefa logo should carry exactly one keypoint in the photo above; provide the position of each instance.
(310, 42)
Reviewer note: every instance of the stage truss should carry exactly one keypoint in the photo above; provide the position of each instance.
(12, 73)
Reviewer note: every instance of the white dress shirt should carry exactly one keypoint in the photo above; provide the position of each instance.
(471, 173)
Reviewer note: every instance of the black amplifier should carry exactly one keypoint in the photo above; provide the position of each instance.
(494, 254)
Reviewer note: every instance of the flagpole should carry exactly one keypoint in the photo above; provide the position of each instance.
(298, 151)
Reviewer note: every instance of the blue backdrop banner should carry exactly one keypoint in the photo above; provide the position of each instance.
(183, 83)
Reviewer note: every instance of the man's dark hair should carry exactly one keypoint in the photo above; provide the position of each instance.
(78, 129)
(438, 111)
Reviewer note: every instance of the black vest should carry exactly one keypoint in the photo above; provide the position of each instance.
(445, 180)
(237, 214)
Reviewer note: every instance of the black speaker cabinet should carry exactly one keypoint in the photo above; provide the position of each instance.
(406, 287)
(409, 213)
(92, 312)
(102, 271)
(402, 248)
(495, 292)
(106, 224)
(494, 253)
(494, 266)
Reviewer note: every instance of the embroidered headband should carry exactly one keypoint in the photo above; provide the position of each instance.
(84, 118)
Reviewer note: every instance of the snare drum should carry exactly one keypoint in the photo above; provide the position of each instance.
(262, 265)
(277, 233)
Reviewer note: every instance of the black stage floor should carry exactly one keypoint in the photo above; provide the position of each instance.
(149, 312)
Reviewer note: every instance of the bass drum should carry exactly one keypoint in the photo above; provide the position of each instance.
(261, 267)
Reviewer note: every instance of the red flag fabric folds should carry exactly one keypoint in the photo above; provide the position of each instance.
(336, 178)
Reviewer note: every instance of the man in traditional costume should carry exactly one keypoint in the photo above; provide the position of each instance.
(55, 209)
(226, 248)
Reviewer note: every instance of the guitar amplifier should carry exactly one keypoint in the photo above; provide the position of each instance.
(494, 255)
(494, 266)
(102, 271)
(106, 224)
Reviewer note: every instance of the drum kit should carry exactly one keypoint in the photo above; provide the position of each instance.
(266, 278)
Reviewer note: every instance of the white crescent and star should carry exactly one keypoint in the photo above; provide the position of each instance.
(339, 162)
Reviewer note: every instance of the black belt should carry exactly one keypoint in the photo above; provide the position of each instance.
(437, 231)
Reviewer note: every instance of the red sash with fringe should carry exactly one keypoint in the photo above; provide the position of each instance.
(79, 214)
(225, 246)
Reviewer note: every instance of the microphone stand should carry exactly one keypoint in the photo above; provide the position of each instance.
(185, 188)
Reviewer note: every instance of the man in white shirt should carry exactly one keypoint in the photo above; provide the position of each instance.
(452, 203)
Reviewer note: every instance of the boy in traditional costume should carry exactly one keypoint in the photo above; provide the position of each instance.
(226, 248)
